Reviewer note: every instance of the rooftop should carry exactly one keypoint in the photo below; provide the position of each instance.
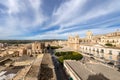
(93, 71)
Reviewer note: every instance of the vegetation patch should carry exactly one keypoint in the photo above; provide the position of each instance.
(55, 47)
(70, 55)
(108, 44)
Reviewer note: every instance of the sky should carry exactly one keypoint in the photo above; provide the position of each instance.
(57, 19)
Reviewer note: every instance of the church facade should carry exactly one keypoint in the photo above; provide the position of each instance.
(110, 38)
(101, 51)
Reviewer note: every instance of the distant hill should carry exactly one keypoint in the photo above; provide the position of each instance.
(27, 41)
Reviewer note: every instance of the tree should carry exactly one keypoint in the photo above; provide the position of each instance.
(108, 44)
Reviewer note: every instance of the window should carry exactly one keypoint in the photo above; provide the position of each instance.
(110, 57)
(89, 49)
(118, 57)
(97, 51)
(119, 53)
(102, 51)
(37, 47)
(110, 52)
(113, 41)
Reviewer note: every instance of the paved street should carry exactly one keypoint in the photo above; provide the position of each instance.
(60, 73)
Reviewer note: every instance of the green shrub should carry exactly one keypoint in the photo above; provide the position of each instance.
(55, 47)
(70, 55)
(108, 44)
(61, 58)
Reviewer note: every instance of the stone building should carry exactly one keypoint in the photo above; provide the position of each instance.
(96, 45)
(111, 38)
(36, 48)
(101, 52)
(73, 42)
(89, 35)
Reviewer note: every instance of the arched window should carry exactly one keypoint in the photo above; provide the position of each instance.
(93, 49)
(97, 51)
(102, 51)
(35, 52)
(110, 52)
(113, 41)
(37, 47)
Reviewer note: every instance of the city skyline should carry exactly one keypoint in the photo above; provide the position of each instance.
(56, 19)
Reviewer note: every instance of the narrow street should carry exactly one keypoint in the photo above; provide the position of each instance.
(60, 73)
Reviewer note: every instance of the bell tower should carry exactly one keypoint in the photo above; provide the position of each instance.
(89, 34)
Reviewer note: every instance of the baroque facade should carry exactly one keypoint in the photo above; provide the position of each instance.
(110, 38)
(95, 45)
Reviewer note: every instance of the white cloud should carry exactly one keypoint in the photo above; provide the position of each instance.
(69, 13)
(92, 14)
(13, 6)
(81, 33)
(40, 18)
(22, 15)
(67, 16)
(26, 8)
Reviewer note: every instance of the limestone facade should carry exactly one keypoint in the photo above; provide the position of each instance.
(111, 38)
(36, 48)
(73, 42)
(101, 51)
(107, 54)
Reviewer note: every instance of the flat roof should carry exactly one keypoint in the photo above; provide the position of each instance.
(79, 69)
(30, 72)
(92, 71)
(35, 68)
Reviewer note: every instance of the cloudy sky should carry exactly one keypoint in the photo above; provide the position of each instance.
(56, 19)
